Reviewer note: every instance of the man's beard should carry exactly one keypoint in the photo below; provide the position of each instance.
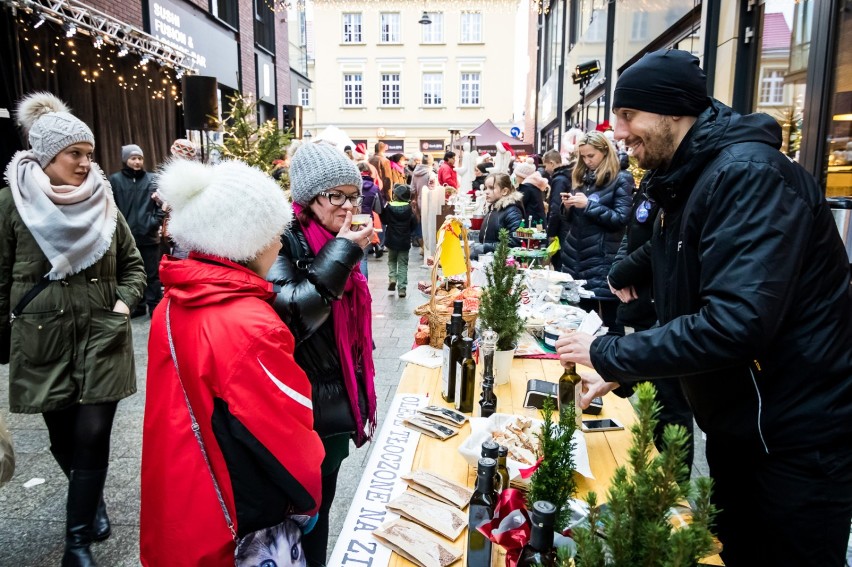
(659, 146)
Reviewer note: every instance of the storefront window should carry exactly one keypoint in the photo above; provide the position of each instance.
(779, 90)
(637, 24)
(839, 146)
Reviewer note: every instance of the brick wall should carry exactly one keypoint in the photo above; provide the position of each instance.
(130, 12)
(249, 82)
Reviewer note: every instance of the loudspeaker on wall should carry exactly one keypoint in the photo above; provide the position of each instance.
(200, 102)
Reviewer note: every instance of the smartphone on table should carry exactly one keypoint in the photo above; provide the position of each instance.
(605, 424)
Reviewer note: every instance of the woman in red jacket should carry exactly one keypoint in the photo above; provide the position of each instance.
(235, 355)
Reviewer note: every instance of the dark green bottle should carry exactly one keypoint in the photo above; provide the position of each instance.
(465, 377)
(481, 510)
(540, 551)
(502, 469)
(450, 358)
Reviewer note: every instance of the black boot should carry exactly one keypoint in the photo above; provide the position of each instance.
(84, 493)
(101, 528)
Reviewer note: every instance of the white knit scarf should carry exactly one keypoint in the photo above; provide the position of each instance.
(73, 226)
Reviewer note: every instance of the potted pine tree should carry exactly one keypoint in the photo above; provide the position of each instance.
(499, 304)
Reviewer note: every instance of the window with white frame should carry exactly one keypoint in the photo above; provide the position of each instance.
(434, 32)
(470, 88)
(433, 89)
(639, 26)
(352, 89)
(305, 97)
(471, 27)
(771, 86)
(390, 89)
(596, 32)
(390, 27)
(352, 27)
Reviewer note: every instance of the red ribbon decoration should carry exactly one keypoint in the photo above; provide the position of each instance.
(528, 472)
(510, 511)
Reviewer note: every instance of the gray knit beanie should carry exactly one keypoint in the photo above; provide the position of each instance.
(129, 151)
(50, 126)
(318, 167)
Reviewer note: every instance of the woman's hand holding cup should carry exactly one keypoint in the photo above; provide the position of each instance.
(358, 229)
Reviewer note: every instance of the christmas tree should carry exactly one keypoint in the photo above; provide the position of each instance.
(554, 480)
(258, 145)
(501, 298)
(636, 521)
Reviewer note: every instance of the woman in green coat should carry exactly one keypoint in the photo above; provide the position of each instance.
(69, 276)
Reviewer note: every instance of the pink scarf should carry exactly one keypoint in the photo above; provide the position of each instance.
(353, 332)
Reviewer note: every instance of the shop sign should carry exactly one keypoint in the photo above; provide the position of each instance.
(432, 145)
(395, 146)
(186, 27)
(392, 457)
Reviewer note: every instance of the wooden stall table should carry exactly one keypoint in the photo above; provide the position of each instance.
(607, 449)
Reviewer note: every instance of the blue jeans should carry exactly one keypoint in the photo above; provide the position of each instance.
(364, 263)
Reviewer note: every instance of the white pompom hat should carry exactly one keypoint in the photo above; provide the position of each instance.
(230, 209)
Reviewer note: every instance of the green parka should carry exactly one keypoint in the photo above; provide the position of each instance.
(68, 346)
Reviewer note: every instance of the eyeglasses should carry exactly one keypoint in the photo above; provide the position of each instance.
(338, 199)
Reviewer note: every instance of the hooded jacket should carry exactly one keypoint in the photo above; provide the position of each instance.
(369, 194)
(399, 221)
(132, 190)
(68, 345)
(419, 180)
(751, 285)
(253, 407)
(508, 213)
(589, 238)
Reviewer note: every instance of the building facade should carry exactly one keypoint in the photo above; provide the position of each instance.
(379, 74)
(101, 70)
(788, 58)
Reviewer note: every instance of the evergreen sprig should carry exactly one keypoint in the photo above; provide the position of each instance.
(636, 519)
(501, 298)
(554, 480)
(244, 139)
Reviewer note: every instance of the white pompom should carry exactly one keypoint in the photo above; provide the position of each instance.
(180, 180)
(36, 105)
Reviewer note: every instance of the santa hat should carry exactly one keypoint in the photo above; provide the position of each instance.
(508, 148)
(603, 126)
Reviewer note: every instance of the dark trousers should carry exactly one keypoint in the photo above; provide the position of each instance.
(315, 544)
(151, 255)
(787, 508)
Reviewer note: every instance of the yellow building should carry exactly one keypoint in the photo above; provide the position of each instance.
(379, 74)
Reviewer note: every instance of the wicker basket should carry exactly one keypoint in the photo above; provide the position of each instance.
(438, 318)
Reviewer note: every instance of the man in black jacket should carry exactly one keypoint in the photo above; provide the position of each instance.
(133, 188)
(752, 292)
(560, 182)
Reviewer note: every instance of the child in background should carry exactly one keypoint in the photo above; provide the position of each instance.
(399, 224)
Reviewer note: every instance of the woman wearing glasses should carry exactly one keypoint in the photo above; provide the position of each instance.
(592, 220)
(325, 301)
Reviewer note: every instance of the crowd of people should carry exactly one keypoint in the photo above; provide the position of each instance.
(721, 278)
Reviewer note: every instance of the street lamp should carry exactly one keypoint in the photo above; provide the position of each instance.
(306, 136)
(424, 20)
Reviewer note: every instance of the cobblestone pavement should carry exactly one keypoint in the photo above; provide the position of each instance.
(32, 520)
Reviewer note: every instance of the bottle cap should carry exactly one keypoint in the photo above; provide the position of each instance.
(503, 451)
(490, 448)
(543, 513)
(486, 466)
(458, 306)
(467, 346)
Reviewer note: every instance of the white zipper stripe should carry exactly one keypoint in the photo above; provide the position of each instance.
(290, 392)
(759, 410)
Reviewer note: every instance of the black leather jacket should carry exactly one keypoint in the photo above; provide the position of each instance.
(308, 285)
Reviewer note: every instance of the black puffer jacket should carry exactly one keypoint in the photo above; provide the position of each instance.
(560, 182)
(533, 202)
(132, 190)
(632, 263)
(399, 223)
(507, 212)
(590, 237)
(308, 286)
(751, 283)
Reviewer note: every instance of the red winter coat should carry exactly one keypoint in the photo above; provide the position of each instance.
(447, 175)
(253, 406)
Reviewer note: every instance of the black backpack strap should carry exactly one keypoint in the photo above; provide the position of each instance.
(30, 295)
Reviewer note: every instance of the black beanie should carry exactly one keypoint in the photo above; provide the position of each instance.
(668, 82)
